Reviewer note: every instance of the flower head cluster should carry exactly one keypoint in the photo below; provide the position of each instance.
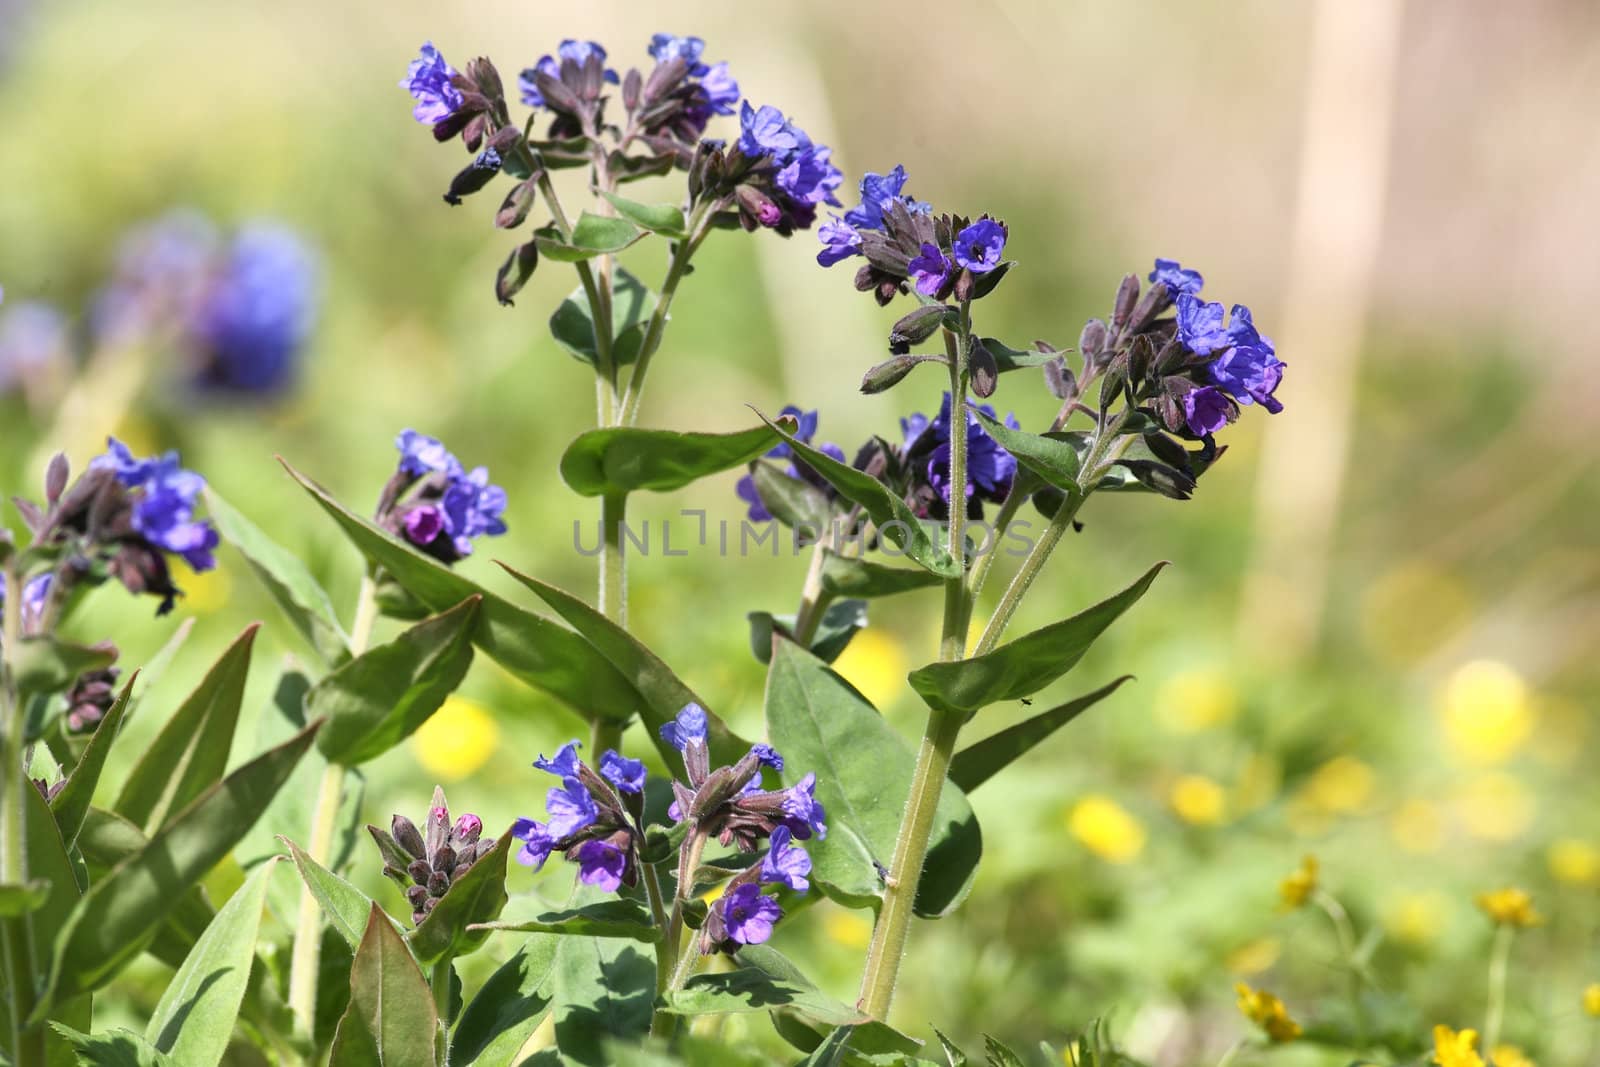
(435, 503)
(432, 83)
(426, 864)
(577, 53)
(1267, 1012)
(926, 450)
(707, 88)
(162, 497)
(781, 176)
(1453, 1048)
(592, 818)
(806, 431)
(1509, 907)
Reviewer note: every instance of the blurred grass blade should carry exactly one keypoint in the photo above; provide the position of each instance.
(191, 752)
(194, 1019)
(381, 697)
(982, 760)
(623, 458)
(391, 1019)
(72, 803)
(1029, 663)
(345, 906)
(604, 918)
(478, 896)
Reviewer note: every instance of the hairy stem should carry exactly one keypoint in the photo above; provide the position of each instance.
(439, 980)
(613, 563)
(662, 1023)
(699, 225)
(814, 599)
(27, 1043)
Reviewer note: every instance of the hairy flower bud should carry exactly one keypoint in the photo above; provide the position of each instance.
(916, 327)
(1127, 296)
(515, 271)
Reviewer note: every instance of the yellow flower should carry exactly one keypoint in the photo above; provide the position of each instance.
(1102, 826)
(1199, 801)
(1253, 957)
(1487, 712)
(875, 663)
(1340, 786)
(1509, 907)
(1591, 999)
(1267, 1012)
(1509, 1056)
(847, 928)
(1451, 1049)
(1574, 862)
(1197, 700)
(1298, 887)
(1496, 807)
(456, 741)
(1417, 918)
(207, 592)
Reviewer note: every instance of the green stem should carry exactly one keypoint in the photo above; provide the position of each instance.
(1002, 522)
(27, 1042)
(814, 599)
(662, 1023)
(1499, 964)
(953, 634)
(613, 563)
(1345, 930)
(699, 225)
(439, 980)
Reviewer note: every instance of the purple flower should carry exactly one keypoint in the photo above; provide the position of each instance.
(565, 762)
(257, 312)
(809, 178)
(804, 431)
(748, 915)
(1250, 370)
(767, 756)
(785, 862)
(421, 454)
(626, 774)
(689, 726)
(577, 51)
(164, 496)
(472, 508)
(35, 593)
(163, 272)
(1200, 325)
(537, 842)
(424, 524)
(930, 270)
(765, 132)
(979, 246)
(878, 193)
(840, 241)
(1205, 409)
(665, 46)
(1176, 279)
(990, 468)
(428, 80)
(801, 812)
(33, 337)
(746, 490)
(721, 92)
(601, 864)
(571, 808)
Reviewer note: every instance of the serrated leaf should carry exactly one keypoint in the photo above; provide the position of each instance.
(72, 803)
(1028, 664)
(391, 1020)
(619, 917)
(384, 695)
(191, 751)
(302, 598)
(982, 760)
(546, 656)
(864, 770)
(1054, 460)
(665, 219)
(593, 235)
(632, 303)
(194, 1019)
(623, 458)
(842, 576)
(453, 927)
(346, 907)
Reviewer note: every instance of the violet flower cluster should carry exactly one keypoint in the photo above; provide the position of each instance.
(593, 819)
(805, 432)
(925, 454)
(425, 864)
(434, 502)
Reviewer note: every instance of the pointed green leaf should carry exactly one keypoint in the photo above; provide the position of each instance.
(539, 652)
(664, 695)
(346, 907)
(453, 926)
(604, 988)
(72, 803)
(391, 1020)
(381, 697)
(864, 771)
(623, 458)
(105, 841)
(114, 1048)
(122, 912)
(194, 1019)
(750, 989)
(632, 304)
(286, 577)
(793, 502)
(1028, 664)
(1008, 358)
(191, 752)
(842, 576)
(840, 621)
(665, 219)
(869, 1038)
(895, 520)
(507, 1008)
(593, 235)
(1053, 459)
(982, 760)
(619, 917)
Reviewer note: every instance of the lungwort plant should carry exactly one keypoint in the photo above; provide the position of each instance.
(677, 875)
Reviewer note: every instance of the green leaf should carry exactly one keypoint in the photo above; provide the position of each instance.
(840, 621)
(346, 907)
(792, 501)
(191, 752)
(286, 577)
(1008, 358)
(381, 697)
(105, 841)
(391, 1019)
(623, 458)
(604, 988)
(632, 304)
(665, 219)
(982, 760)
(895, 520)
(869, 1037)
(864, 772)
(47, 665)
(750, 989)
(72, 803)
(194, 1019)
(664, 695)
(619, 917)
(1029, 663)
(539, 652)
(122, 912)
(594, 235)
(452, 927)
(999, 1055)
(1052, 459)
(831, 1052)
(507, 1009)
(116, 1048)
(842, 576)
(23, 899)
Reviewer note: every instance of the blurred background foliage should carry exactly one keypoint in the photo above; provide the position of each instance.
(1375, 644)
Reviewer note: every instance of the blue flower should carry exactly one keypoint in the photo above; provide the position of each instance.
(33, 337)
(564, 764)
(809, 178)
(626, 774)
(472, 508)
(979, 247)
(163, 496)
(687, 728)
(665, 46)
(1250, 370)
(878, 193)
(428, 80)
(765, 132)
(785, 862)
(804, 431)
(802, 814)
(1205, 410)
(257, 313)
(537, 842)
(601, 864)
(446, 514)
(930, 270)
(757, 508)
(1200, 325)
(748, 915)
(1176, 278)
(577, 51)
(990, 468)
(421, 454)
(767, 756)
(721, 92)
(35, 594)
(840, 241)
(571, 808)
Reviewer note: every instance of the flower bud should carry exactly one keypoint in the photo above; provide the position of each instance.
(891, 372)
(1092, 338)
(474, 176)
(758, 205)
(1060, 379)
(444, 859)
(916, 327)
(505, 140)
(985, 372)
(467, 830)
(630, 89)
(406, 836)
(438, 884)
(518, 203)
(515, 272)
(1127, 296)
(419, 871)
(55, 477)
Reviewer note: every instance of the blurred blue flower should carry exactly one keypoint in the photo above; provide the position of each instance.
(254, 318)
(665, 46)
(35, 594)
(420, 454)
(163, 497)
(990, 468)
(33, 339)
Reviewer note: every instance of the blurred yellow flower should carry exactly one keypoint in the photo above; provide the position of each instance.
(1296, 889)
(206, 592)
(1509, 1056)
(847, 928)
(1253, 957)
(1102, 826)
(875, 663)
(1574, 862)
(1199, 801)
(1451, 1049)
(1412, 610)
(1591, 999)
(1418, 826)
(1267, 1012)
(1487, 712)
(1197, 700)
(1496, 807)
(1417, 918)
(456, 741)
(1509, 907)
(1340, 786)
